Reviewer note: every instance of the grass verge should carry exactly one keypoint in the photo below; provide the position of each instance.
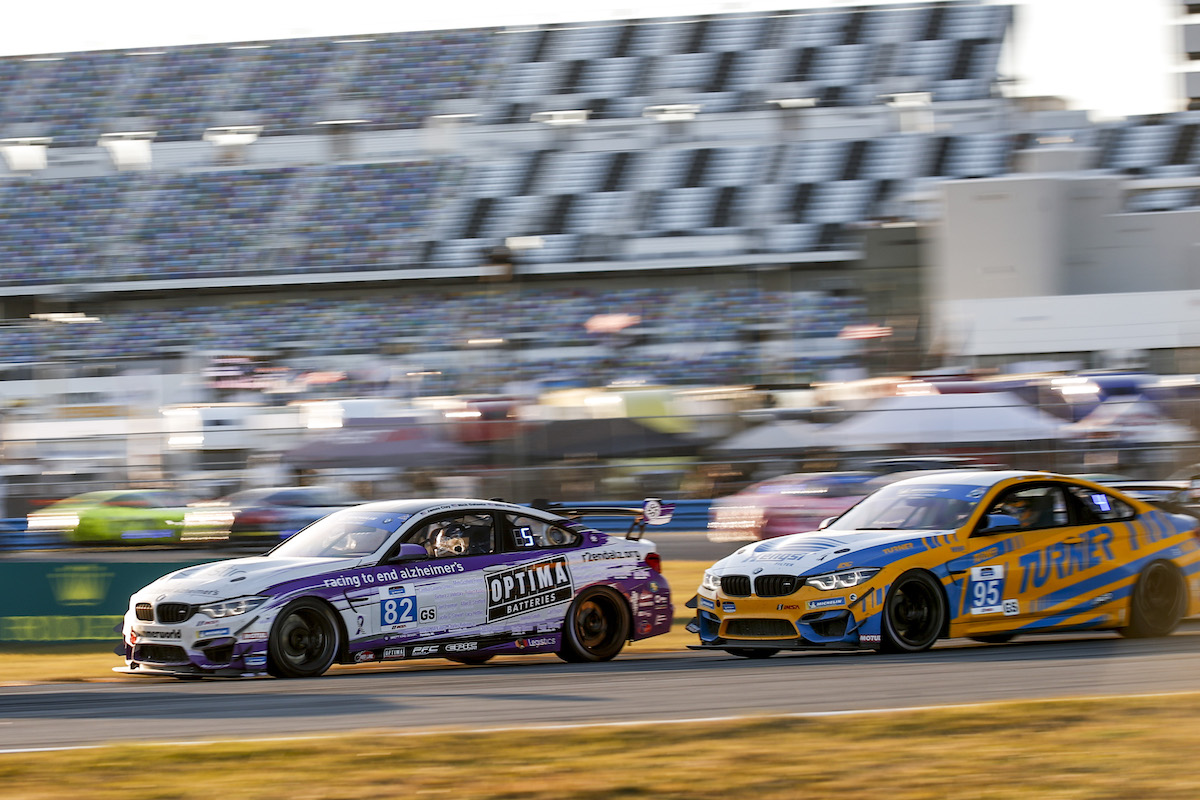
(1103, 749)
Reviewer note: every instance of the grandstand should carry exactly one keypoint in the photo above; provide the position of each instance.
(712, 176)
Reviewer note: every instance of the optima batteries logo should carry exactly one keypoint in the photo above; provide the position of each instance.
(528, 587)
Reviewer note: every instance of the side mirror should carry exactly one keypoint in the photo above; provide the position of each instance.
(825, 523)
(996, 522)
(410, 552)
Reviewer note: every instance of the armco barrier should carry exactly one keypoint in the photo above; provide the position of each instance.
(71, 601)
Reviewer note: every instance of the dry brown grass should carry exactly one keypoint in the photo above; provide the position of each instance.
(1107, 750)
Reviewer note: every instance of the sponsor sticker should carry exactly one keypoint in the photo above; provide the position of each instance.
(610, 555)
(211, 632)
(827, 602)
(706, 603)
(462, 647)
(426, 650)
(256, 661)
(392, 653)
(255, 636)
(363, 656)
(528, 587)
(160, 634)
(870, 638)
(728, 607)
(543, 641)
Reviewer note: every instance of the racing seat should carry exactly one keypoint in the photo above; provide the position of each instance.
(1043, 511)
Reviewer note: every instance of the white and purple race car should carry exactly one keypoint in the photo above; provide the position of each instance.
(459, 579)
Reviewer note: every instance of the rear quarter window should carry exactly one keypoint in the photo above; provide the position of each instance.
(1103, 506)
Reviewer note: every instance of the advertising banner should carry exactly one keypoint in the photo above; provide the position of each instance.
(71, 601)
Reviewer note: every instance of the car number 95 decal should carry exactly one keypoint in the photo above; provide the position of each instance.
(986, 589)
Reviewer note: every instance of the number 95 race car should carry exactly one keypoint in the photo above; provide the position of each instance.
(459, 579)
(986, 555)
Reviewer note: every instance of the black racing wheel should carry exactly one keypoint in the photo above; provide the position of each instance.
(1159, 601)
(913, 613)
(596, 627)
(304, 640)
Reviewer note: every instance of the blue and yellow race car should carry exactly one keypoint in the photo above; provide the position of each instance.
(987, 555)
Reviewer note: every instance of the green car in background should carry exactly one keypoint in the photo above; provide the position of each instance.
(121, 516)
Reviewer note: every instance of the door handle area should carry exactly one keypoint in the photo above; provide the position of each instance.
(1073, 540)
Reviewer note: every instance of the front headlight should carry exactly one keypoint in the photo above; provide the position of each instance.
(842, 580)
(711, 582)
(232, 608)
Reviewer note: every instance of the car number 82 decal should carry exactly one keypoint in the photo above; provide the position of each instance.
(398, 612)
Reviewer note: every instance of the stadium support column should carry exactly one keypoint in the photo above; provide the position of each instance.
(340, 122)
(791, 114)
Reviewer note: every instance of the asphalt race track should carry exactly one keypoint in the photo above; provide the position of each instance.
(543, 691)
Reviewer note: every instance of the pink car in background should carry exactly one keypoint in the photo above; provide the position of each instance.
(787, 504)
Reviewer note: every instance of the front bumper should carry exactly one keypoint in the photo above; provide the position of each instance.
(197, 647)
(796, 622)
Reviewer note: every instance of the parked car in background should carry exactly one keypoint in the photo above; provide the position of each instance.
(116, 516)
(799, 501)
(786, 504)
(262, 517)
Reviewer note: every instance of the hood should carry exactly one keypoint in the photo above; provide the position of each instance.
(826, 551)
(236, 577)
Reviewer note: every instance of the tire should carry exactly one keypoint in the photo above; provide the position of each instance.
(993, 638)
(471, 660)
(305, 640)
(596, 626)
(750, 652)
(1159, 601)
(914, 613)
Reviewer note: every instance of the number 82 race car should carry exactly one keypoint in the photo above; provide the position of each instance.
(396, 580)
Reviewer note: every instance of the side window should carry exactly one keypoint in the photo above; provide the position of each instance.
(1102, 506)
(1030, 508)
(457, 535)
(534, 534)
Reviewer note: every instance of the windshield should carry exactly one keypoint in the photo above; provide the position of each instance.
(912, 506)
(343, 534)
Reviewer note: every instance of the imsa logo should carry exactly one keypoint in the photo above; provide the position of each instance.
(529, 587)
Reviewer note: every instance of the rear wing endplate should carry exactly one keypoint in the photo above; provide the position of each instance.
(653, 511)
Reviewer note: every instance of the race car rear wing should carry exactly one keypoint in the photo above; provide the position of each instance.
(653, 511)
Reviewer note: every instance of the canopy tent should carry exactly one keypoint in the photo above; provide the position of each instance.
(1135, 420)
(401, 448)
(783, 436)
(945, 419)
